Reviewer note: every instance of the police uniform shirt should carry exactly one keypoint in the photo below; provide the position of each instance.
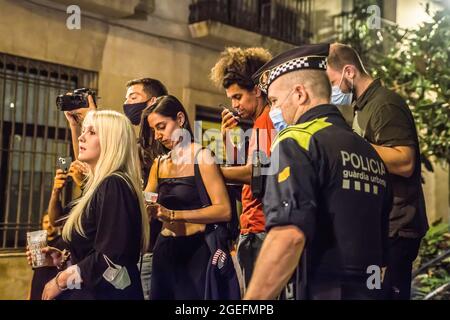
(383, 118)
(332, 185)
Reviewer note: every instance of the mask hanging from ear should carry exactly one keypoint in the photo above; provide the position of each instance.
(277, 116)
(340, 98)
(277, 119)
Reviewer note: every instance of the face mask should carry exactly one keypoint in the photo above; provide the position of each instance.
(133, 111)
(116, 275)
(340, 98)
(277, 118)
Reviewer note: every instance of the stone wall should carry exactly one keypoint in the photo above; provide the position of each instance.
(15, 276)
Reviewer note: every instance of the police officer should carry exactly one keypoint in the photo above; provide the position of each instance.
(383, 118)
(329, 195)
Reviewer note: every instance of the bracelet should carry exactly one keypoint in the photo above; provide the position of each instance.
(57, 284)
(65, 256)
(172, 216)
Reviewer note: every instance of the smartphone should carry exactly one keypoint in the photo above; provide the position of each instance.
(232, 110)
(63, 163)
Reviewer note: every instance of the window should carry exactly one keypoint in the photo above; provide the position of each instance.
(32, 133)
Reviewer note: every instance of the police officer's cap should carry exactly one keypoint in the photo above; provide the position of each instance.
(311, 56)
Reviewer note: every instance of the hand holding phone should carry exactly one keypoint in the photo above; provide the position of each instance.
(63, 163)
(233, 111)
(229, 120)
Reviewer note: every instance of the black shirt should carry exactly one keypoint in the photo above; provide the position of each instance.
(112, 225)
(332, 185)
(179, 193)
(383, 118)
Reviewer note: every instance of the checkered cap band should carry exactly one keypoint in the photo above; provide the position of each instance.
(292, 65)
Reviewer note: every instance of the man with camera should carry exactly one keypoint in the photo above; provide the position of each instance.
(76, 105)
(141, 93)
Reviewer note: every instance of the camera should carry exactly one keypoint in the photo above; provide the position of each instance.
(78, 99)
(63, 163)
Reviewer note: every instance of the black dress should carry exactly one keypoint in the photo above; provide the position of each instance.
(179, 263)
(112, 225)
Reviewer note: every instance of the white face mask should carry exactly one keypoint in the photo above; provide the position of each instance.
(277, 119)
(340, 98)
(116, 275)
(276, 115)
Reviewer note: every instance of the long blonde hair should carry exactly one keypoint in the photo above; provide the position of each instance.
(118, 153)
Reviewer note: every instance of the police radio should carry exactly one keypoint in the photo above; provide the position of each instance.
(259, 161)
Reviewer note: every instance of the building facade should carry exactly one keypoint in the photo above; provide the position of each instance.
(43, 53)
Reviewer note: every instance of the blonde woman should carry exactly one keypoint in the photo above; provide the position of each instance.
(107, 228)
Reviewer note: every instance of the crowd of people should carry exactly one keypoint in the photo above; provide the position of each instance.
(333, 202)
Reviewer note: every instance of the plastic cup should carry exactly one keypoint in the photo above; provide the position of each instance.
(150, 197)
(37, 240)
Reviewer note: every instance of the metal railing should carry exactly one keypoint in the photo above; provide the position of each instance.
(32, 133)
(285, 20)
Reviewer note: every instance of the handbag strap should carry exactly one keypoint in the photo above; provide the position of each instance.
(204, 197)
(157, 174)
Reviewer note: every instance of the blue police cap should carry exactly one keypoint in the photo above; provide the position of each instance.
(311, 56)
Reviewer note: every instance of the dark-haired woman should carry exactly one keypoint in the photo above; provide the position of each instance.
(181, 254)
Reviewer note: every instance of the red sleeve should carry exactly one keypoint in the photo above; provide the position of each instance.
(266, 135)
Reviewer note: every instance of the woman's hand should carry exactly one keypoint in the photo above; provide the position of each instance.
(78, 171)
(51, 290)
(165, 215)
(53, 255)
(229, 121)
(76, 117)
(152, 210)
(68, 279)
(73, 118)
(60, 180)
(29, 259)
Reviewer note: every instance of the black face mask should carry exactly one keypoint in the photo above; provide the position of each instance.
(133, 111)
